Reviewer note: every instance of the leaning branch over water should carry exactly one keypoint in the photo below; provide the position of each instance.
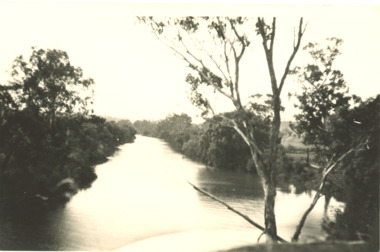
(234, 210)
(318, 194)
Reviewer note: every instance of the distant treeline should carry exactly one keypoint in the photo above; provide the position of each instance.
(221, 147)
(213, 144)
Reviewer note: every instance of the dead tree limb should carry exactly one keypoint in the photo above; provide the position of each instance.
(234, 210)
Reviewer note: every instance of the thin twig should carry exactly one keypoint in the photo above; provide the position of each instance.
(258, 239)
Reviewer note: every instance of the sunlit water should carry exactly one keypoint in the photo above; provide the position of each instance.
(141, 201)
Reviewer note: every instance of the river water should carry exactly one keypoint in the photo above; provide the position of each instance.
(141, 201)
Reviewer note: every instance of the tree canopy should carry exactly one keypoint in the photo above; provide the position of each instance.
(48, 84)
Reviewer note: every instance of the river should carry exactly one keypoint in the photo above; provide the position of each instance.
(141, 201)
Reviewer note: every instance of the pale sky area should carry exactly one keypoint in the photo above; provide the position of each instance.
(137, 77)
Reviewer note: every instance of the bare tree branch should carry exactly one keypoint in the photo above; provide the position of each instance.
(220, 90)
(249, 141)
(240, 38)
(234, 210)
(200, 61)
(200, 72)
(237, 63)
(301, 31)
(269, 55)
(191, 63)
(227, 80)
(236, 84)
(227, 59)
(234, 87)
(227, 62)
(261, 25)
(273, 34)
(188, 51)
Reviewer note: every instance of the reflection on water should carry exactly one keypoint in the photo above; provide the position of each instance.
(141, 199)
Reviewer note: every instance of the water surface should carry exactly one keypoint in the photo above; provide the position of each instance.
(141, 201)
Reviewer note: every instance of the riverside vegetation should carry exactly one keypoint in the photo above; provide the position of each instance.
(354, 182)
(50, 140)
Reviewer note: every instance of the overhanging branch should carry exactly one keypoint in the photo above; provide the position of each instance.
(234, 210)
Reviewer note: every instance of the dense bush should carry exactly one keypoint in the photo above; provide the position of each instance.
(357, 180)
(49, 144)
(34, 162)
(211, 143)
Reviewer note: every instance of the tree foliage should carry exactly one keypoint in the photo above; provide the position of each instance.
(345, 133)
(323, 91)
(49, 144)
(48, 84)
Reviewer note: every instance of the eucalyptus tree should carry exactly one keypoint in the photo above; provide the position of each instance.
(48, 84)
(213, 48)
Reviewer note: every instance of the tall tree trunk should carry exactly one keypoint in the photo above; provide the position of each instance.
(268, 36)
(270, 183)
(269, 215)
(269, 187)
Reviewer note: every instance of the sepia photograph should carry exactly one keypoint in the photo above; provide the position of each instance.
(189, 126)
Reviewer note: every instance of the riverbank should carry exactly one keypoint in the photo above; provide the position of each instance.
(218, 241)
(306, 247)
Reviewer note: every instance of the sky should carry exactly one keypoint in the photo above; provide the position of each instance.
(137, 77)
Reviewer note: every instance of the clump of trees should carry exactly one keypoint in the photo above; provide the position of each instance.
(49, 141)
(344, 131)
(356, 180)
(218, 146)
